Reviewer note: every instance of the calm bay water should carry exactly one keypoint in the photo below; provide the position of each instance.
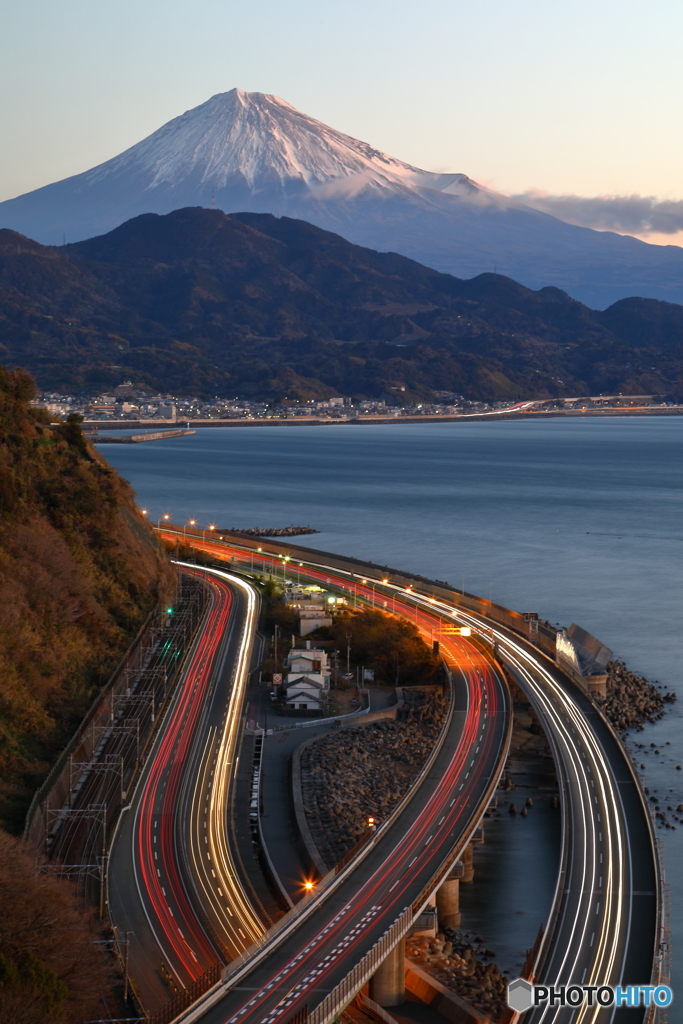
(580, 521)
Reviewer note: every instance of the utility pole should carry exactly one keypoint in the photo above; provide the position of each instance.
(348, 655)
(275, 636)
(125, 967)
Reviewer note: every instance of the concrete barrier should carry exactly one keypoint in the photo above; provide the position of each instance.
(430, 991)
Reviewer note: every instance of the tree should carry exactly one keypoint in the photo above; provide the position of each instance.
(51, 972)
(389, 645)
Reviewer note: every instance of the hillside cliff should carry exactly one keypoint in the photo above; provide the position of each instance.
(79, 572)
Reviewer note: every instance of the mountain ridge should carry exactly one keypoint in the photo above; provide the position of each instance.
(255, 152)
(200, 302)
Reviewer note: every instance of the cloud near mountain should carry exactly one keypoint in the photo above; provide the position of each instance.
(631, 215)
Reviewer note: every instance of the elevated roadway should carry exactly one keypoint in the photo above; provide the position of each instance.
(347, 926)
(605, 925)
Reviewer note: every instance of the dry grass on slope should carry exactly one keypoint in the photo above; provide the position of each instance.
(79, 572)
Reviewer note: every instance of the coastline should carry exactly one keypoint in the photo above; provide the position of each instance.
(317, 421)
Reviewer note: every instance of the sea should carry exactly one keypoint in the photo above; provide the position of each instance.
(578, 520)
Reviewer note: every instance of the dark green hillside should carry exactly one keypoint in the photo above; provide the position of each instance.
(79, 572)
(259, 306)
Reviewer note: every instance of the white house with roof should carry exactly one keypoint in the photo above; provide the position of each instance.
(308, 679)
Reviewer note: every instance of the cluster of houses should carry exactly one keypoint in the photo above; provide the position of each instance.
(314, 605)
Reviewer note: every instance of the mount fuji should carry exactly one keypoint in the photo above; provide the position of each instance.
(252, 152)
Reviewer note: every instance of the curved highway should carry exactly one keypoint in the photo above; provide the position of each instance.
(604, 923)
(172, 881)
(308, 957)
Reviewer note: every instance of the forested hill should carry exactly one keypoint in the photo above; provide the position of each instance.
(197, 302)
(79, 572)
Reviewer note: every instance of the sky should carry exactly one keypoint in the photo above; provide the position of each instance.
(576, 106)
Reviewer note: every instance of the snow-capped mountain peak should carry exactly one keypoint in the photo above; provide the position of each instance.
(262, 140)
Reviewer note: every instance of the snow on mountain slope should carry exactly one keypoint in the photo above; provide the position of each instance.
(261, 139)
(255, 152)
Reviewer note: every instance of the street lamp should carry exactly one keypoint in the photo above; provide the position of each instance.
(165, 516)
(143, 511)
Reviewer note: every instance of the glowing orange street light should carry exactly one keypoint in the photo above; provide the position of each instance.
(143, 511)
(309, 886)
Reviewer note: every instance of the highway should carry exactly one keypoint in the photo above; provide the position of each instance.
(604, 920)
(604, 925)
(172, 880)
(311, 955)
(394, 876)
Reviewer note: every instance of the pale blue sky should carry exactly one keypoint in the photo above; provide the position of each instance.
(581, 97)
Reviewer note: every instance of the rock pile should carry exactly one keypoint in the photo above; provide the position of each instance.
(266, 531)
(455, 964)
(351, 775)
(631, 699)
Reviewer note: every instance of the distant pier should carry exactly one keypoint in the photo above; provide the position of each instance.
(157, 435)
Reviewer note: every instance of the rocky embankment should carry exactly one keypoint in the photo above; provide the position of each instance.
(457, 964)
(284, 531)
(632, 700)
(362, 772)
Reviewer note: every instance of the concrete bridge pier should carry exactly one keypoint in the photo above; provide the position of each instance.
(468, 867)
(388, 983)
(448, 903)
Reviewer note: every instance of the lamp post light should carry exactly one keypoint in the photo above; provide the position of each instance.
(165, 517)
(260, 552)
